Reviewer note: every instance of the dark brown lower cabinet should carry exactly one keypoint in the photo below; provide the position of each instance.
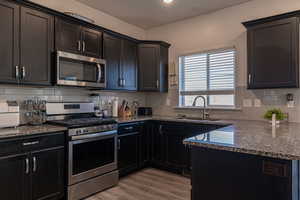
(229, 175)
(128, 153)
(33, 168)
(48, 174)
(13, 178)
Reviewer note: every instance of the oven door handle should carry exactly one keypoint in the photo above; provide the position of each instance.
(95, 136)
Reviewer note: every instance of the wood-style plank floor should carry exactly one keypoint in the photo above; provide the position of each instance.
(148, 184)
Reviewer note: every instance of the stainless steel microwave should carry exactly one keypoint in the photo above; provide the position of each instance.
(78, 70)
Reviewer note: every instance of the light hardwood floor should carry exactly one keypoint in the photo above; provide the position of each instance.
(148, 184)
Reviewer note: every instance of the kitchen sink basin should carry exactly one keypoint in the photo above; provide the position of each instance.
(197, 118)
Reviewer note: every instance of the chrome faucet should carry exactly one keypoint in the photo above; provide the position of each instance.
(205, 114)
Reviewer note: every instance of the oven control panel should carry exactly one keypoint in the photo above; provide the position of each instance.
(92, 129)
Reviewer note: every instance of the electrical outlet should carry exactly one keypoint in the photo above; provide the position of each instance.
(257, 103)
(247, 102)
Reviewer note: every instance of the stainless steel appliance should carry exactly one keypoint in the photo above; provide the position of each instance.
(92, 148)
(78, 70)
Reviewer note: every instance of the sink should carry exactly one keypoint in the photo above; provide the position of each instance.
(197, 118)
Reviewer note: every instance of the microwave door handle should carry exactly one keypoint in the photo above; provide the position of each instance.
(99, 73)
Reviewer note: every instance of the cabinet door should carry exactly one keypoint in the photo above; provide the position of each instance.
(128, 153)
(149, 67)
(129, 65)
(176, 152)
(145, 144)
(36, 46)
(112, 55)
(48, 174)
(9, 40)
(92, 42)
(14, 178)
(158, 153)
(273, 54)
(67, 36)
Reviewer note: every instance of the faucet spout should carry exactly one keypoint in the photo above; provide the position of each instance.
(204, 105)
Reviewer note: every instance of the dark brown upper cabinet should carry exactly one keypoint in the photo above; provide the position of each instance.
(36, 47)
(27, 43)
(121, 63)
(74, 38)
(153, 66)
(273, 53)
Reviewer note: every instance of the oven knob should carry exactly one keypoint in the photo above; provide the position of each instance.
(78, 132)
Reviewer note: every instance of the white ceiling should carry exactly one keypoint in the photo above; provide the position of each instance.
(150, 13)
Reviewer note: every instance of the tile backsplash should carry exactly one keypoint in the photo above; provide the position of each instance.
(22, 93)
(165, 103)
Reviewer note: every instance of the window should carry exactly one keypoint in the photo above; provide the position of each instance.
(211, 75)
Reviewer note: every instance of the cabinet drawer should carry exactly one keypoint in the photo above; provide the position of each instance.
(43, 142)
(129, 128)
(23, 145)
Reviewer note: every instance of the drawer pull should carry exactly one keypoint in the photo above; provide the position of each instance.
(30, 143)
(128, 128)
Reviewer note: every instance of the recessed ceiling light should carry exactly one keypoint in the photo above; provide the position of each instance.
(168, 1)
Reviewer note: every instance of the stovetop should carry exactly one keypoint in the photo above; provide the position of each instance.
(83, 122)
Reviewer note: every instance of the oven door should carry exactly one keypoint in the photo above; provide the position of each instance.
(92, 155)
(78, 70)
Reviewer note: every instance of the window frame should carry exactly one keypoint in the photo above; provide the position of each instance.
(208, 92)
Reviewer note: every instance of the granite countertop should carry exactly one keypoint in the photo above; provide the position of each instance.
(253, 137)
(244, 136)
(22, 131)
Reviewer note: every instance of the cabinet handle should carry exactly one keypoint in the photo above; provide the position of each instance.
(160, 129)
(27, 166)
(157, 84)
(30, 143)
(79, 45)
(34, 164)
(121, 82)
(119, 144)
(17, 72)
(83, 46)
(124, 82)
(249, 78)
(23, 72)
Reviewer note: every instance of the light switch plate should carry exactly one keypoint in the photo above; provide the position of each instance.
(168, 102)
(247, 102)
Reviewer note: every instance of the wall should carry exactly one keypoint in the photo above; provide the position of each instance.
(220, 29)
(100, 18)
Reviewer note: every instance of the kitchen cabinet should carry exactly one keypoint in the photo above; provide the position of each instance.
(13, 178)
(121, 63)
(129, 65)
(49, 162)
(153, 66)
(9, 40)
(167, 149)
(273, 53)
(32, 168)
(77, 39)
(112, 54)
(241, 176)
(36, 47)
(128, 147)
(27, 44)
(145, 144)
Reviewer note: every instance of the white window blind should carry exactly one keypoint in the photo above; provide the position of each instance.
(210, 74)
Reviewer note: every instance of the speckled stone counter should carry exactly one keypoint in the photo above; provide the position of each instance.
(253, 137)
(23, 131)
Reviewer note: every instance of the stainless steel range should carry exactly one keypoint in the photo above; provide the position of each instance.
(92, 148)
